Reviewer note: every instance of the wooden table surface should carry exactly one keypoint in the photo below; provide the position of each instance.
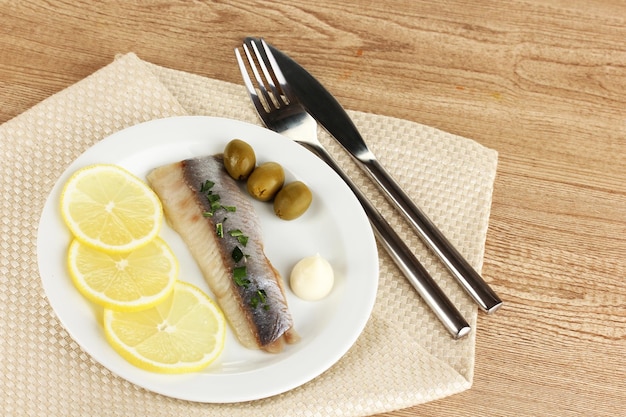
(542, 82)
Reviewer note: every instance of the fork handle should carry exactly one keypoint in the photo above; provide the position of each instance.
(467, 276)
(415, 273)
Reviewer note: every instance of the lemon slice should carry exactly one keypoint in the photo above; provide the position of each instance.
(129, 281)
(111, 209)
(184, 333)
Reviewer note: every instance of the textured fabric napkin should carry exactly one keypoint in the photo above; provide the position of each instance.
(404, 356)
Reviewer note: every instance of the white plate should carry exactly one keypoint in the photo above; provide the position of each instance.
(335, 226)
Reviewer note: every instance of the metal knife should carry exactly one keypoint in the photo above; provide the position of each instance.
(330, 114)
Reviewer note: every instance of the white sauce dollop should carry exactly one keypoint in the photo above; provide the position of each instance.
(312, 278)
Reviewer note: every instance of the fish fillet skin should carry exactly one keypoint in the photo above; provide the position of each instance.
(257, 310)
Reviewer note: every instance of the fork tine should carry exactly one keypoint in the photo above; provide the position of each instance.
(257, 76)
(280, 78)
(261, 97)
(266, 96)
(262, 59)
(247, 81)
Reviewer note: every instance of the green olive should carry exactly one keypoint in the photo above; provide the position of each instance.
(292, 200)
(239, 159)
(265, 181)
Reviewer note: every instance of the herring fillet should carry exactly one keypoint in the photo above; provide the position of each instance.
(257, 324)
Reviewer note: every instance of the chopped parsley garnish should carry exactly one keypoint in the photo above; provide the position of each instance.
(241, 238)
(206, 186)
(240, 275)
(259, 298)
(237, 254)
(214, 199)
(240, 272)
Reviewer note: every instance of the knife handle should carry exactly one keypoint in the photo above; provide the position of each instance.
(406, 261)
(470, 280)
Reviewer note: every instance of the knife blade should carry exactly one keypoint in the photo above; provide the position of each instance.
(321, 104)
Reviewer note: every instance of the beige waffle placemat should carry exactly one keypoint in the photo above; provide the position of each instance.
(404, 357)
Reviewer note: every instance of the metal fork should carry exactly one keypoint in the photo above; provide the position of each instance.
(280, 111)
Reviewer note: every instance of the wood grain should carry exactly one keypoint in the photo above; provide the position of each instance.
(542, 82)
